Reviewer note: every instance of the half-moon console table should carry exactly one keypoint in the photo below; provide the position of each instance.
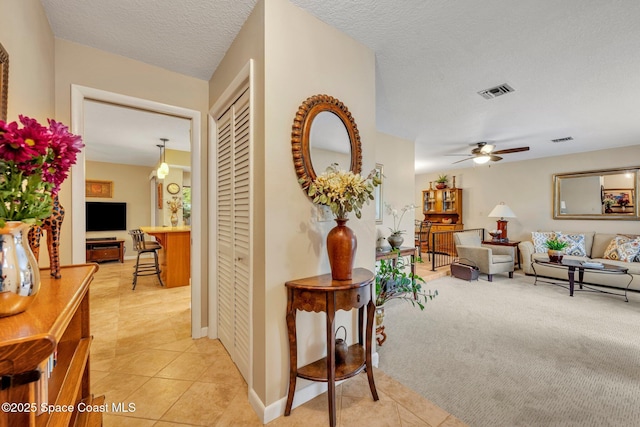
(322, 293)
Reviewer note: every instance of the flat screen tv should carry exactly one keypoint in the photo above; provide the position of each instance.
(106, 216)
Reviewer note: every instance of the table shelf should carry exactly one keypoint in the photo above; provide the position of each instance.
(353, 365)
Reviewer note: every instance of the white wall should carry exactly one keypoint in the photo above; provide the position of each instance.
(527, 188)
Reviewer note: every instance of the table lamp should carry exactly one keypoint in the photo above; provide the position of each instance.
(502, 211)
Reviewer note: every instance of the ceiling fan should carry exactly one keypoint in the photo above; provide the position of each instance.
(484, 153)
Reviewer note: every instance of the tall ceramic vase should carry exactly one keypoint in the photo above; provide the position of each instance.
(19, 272)
(341, 248)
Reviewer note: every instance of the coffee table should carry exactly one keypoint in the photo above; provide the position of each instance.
(573, 265)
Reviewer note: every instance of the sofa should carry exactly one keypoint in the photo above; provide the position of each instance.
(594, 246)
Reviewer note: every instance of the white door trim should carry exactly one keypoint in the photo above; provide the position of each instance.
(78, 95)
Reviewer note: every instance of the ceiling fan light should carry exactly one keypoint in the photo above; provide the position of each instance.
(487, 148)
(481, 159)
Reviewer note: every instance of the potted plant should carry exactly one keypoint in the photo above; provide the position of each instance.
(396, 239)
(393, 282)
(441, 182)
(555, 251)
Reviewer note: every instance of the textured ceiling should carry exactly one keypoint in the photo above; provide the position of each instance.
(573, 64)
(134, 140)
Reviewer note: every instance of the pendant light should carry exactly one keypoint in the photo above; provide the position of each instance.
(163, 170)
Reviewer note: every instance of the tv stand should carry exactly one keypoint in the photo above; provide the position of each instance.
(108, 249)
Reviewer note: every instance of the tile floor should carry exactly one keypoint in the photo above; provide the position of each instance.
(142, 354)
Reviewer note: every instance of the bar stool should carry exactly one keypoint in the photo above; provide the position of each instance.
(145, 268)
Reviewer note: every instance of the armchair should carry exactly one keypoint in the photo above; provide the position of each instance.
(489, 259)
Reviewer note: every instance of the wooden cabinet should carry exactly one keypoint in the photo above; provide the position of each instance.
(105, 250)
(57, 322)
(323, 294)
(442, 206)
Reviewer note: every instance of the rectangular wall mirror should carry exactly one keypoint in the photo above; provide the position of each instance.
(601, 194)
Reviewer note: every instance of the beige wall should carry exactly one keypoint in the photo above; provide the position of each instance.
(397, 157)
(28, 39)
(304, 57)
(526, 187)
(85, 66)
(130, 185)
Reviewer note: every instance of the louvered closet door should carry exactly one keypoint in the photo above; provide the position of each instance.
(233, 209)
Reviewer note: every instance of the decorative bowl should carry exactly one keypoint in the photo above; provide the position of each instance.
(495, 234)
(447, 220)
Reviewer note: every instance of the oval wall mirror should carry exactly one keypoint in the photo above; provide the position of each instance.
(324, 132)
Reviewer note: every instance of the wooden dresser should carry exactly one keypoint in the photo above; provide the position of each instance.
(57, 322)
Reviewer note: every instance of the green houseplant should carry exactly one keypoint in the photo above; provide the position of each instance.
(393, 282)
(556, 248)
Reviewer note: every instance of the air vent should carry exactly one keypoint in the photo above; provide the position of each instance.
(493, 92)
(566, 138)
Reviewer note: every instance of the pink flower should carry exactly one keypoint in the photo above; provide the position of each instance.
(23, 145)
(34, 161)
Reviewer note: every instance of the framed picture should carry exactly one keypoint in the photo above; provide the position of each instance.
(159, 196)
(377, 195)
(96, 188)
(623, 197)
(4, 82)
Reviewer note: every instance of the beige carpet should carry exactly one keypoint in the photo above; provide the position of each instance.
(509, 353)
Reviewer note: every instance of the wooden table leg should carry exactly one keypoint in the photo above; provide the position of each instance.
(293, 352)
(331, 358)
(580, 277)
(572, 271)
(371, 308)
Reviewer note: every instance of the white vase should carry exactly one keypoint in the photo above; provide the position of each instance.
(19, 272)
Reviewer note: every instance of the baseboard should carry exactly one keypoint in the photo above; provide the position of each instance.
(375, 357)
(204, 332)
(304, 393)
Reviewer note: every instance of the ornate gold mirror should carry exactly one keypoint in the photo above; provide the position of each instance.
(600, 194)
(323, 133)
(4, 82)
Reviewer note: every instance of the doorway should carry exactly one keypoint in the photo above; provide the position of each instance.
(78, 96)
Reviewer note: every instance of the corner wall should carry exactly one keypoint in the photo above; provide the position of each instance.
(397, 156)
(305, 57)
(527, 188)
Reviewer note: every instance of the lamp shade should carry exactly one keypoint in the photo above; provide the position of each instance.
(502, 211)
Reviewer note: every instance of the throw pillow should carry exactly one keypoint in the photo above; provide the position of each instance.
(576, 244)
(539, 239)
(623, 248)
